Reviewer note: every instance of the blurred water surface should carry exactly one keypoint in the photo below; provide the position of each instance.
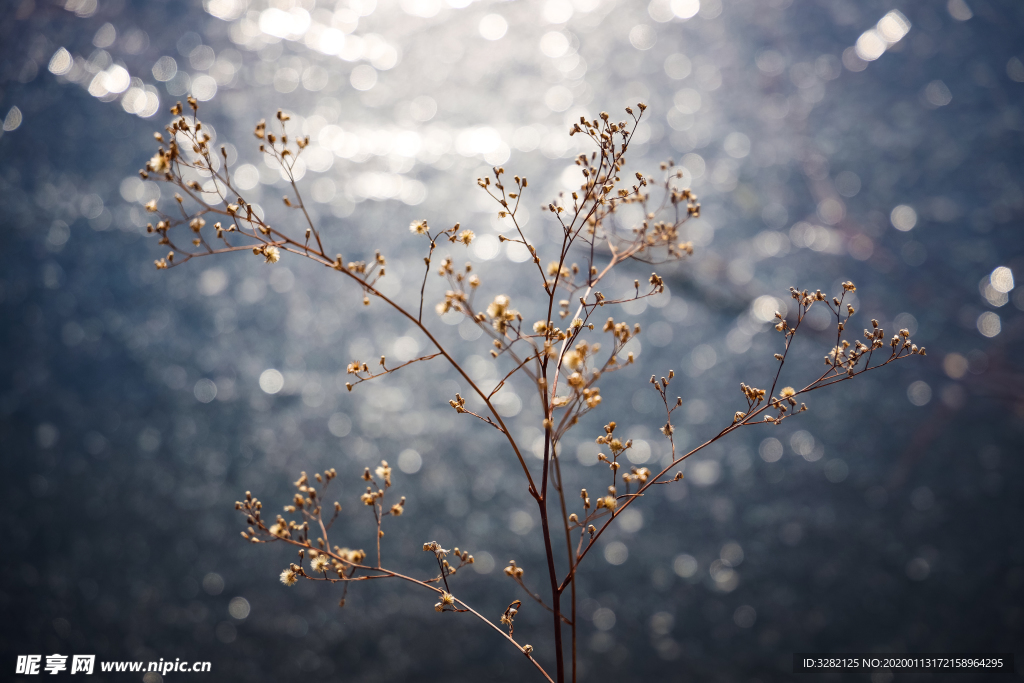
(830, 140)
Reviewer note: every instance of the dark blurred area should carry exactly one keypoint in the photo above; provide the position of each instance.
(828, 141)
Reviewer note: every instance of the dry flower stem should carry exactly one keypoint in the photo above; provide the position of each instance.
(553, 359)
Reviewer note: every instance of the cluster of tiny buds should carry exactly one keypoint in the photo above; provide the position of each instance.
(447, 602)
(782, 326)
(446, 568)
(458, 403)
(371, 496)
(608, 502)
(753, 394)
(435, 547)
(321, 563)
(614, 444)
(786, 395)
(636, 474)
(463, 555)
(902, 338)
(252, 508)
(806, 298)
(662, 385)
(514, 571)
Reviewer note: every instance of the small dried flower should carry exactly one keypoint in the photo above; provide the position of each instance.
(500, 313)
(435, 547)
(272, 254)
(498, 306)
(384, 472)
(320, 564)
(289, 578)
(466, 236)
(158, 164)
(418, 227)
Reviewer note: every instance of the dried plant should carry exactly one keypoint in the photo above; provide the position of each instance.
(563, 361)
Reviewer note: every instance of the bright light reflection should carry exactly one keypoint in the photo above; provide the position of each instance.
(1002, 279)
(12, 120)
(685, 9)
(889, 30)
(291, 24)
(493, 27)
(61, 62)
(870, 46)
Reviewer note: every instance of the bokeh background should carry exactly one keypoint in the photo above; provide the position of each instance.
(828, 140)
